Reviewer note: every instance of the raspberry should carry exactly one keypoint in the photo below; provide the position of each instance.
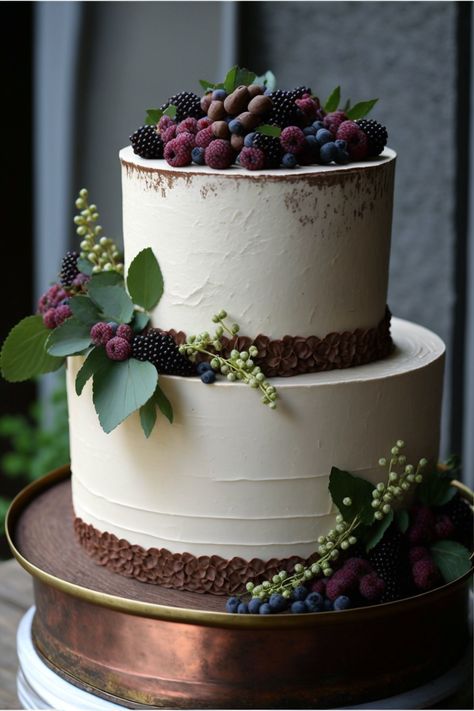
(425, 574)
(418, 553)
(444, 527)
(164, 123)
(371, 587)
(461, 515)
(124, 331)
(319, 586)
(292, 139)
(358, 566)
(204, 122)
(168, 134)
(356, 139)
(69, 269)
(188, 125)
(101, 333)
(118, 348)
(422, 529)
(187, 104)
(342, 582)
(219, 154)
(161, 350)
(51, 299)
(376, 134)
(49, 318)
(333, 120)
(62, 312)
(147, 142)
(186, 139)
(252, 158)
(177, 154)
(308, 106)
(204, 137)
(79, 280)
(271, 147)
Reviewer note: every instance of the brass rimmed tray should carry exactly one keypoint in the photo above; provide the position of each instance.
(146, 646)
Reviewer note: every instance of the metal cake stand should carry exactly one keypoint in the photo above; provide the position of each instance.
(137, 645)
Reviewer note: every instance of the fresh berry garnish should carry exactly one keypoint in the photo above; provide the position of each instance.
(252, 158)
(462, 517)
(308, 106)
(333, 120)
(49, 318)
(418, 553)
(376, 134)
(208, 377)
(51, 298)
(298, 607)
(124, 331)
(118, 348)
(425, 574)
(62, 312)
(178, 153)
(356, 139)
(422, 528)
(232, 604)
(219, 154)
(300, 593)
(292, 139)
(164, 123)
(289, 160)
(324, 136)
(197, 155)
(254, 605)
(203, 367)
(389, 559)
(187, 125)
(444, 527)
(204, 137)
(169, 133)
(284, 111)
(187, 104)
(69, 268)
(328, 153)
(80, 280)
(343, 602)
(371, 587)
(314, 602)
(204, 122)
(265, 609)
(101, 333)
(242, 609)
(277, 602)
(161, 350)
(147, 142)
(271, 147)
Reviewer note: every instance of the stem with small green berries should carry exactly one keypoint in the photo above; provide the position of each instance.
(100, 251)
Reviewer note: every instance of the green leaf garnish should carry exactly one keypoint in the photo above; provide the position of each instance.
(120, 388)
(140, 321)
(95, 361)
(377, 531)
(361, 109)
(332, 102)
(436, 489)
(84, 310)
(153, 116)
(148, 416)
(70, 338)
(209, 85)
(105, 279)
(170, 111)
(268, 80)
(164, 404)
(84, 266)
(244, 77)
(229, 81)
(452, 559)
(145, 280)
(343, 485)
(268, 130)
(24, 352)
(403, 520)
(113, 301)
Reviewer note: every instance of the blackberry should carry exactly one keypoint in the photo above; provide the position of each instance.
(376, 133)
(459, 511)
(284, 111)
(161, 350)
(271, 147)
(147, 143)
(389, 559)
(187, 104)
(69, 269)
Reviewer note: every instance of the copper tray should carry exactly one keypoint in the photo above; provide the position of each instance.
(145, 646)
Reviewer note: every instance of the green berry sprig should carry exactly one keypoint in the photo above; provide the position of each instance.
(239, 366)
(341, 537)
(100, 251)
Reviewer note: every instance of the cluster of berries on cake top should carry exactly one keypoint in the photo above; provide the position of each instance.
(258, 127)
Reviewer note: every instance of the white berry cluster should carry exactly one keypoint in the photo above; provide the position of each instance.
(100, 251)
(385, 494)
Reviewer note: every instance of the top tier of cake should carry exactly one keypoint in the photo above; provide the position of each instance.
(300, 252)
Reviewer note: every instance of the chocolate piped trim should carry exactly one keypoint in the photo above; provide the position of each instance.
(295, 355)
(180, 571)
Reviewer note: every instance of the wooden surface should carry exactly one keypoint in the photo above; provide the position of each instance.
(16, 596)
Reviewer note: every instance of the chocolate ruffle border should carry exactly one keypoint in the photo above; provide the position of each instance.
(295, 355)
(180, 571)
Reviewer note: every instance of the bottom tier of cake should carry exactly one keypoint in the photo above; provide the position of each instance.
(231, 478)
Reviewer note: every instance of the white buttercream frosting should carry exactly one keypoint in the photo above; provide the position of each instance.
(300, 252)
(232, 478)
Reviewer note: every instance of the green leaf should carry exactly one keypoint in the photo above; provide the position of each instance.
(361, 109)
(332, 102)
(344, 485)
(85, 266)
(268, 130)
(452, 559)
(164, 404)
(84, 310)
(268, 80)
(113, 301)
(436, 489)
(377, 531)
(153, 116)
(145, 280)
(207, 85)
(403, 520)
(105, 279)
(140, 321)
(347, 106)
(121, 388)
(229, 81)
(244, 77)
(24, 353)
(69, 338)
(170, 111)
(148, 416)
(95, 361)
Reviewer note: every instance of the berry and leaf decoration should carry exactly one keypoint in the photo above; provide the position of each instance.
(377, 551)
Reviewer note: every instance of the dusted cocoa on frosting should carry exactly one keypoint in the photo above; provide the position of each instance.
(295, 355)
(180, 571)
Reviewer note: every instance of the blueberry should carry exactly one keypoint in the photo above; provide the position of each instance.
(208, 377)
(300, 593)
(314, 602)
(323, 136)
(328, 605)
(113, 325)
(289, 160)
(311, 141)
(318, 124)
(328, 152)
(342, 157)
(243, 608)
(341, 144)
(298, 607)
(265, 609)
(202, 367)
(342, 602)
(197, 154)
(219, 94)
(277, 602)
(309, 131)
(232, 604)
(254, 605)
(248, 140)
(236, 127)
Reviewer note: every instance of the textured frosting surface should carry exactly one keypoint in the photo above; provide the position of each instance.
(301, 253)
(232, 478)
